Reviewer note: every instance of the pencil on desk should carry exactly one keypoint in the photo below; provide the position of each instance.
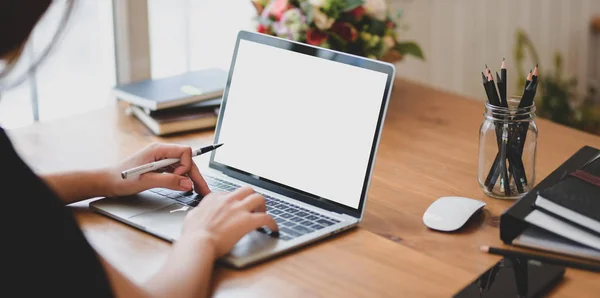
(502, 89)
(485, 86)
(502, 142)
(543, 259)
(505, 182)
(493, 90)
(534, 79)
(504, 81)
(490, 100)
(501, 84)
(528, 79)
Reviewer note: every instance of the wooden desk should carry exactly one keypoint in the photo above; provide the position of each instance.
(428, 149)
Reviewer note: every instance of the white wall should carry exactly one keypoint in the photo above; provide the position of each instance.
(459, 36)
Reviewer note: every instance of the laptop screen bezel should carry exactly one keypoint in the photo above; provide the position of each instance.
(321, 53)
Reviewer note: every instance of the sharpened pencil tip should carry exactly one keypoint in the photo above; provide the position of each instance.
(484, 248)
(503, 59)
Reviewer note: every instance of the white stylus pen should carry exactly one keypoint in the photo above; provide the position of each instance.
(153, 166)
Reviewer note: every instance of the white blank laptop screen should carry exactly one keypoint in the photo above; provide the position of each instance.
(302, 121)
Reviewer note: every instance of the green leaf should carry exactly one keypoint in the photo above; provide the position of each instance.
(338, 40)
(333, 8)
(410, 48)
(377, 27)
(352, 4)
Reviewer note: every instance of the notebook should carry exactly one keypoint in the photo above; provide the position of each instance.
(576, 198)
(201, 106)
(538, 238)
(186, 88)
(177, 121)
(566, 216)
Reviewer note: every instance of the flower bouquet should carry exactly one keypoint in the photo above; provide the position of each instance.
(363, 28)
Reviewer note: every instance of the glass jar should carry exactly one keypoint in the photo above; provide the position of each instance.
(507, 149)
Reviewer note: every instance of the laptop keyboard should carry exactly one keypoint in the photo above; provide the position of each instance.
(293, 220)
(189, 198)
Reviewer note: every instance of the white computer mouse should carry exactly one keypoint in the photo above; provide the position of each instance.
(450, 213)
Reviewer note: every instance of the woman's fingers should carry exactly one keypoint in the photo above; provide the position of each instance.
(260, 220)
(254, 203)
(184, 153)
(200, 185)
(166, 180)
(240, 193)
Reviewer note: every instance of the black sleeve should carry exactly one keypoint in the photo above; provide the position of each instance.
(47, 254)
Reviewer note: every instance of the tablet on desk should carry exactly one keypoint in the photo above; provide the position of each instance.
(514, 277)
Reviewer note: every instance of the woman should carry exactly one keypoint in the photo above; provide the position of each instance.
(47, 253)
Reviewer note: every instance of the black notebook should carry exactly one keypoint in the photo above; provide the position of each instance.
(576, 197)
(566, 215)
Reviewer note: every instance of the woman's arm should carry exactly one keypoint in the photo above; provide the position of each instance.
(188, 270)
(75, 186)
(209, 232)
(80, 185)
(186, 273)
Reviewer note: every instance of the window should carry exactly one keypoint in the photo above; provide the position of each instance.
(78, 73)
(194, 34)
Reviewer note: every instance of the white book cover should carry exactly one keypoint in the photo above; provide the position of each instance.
(536, 238)
(563, 228)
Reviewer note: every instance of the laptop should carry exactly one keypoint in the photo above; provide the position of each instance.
(301, 125)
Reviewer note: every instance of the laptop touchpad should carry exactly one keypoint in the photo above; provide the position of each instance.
(165, 222)
(125, 207)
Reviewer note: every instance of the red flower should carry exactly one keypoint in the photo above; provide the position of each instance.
(358, 12)
(261, 29)
(315, 37)
(345, 30)
(391, 25)
(278, 8)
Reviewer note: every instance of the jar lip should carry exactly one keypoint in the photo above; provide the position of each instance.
(510, 109)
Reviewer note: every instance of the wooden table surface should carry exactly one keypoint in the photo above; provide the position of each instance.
(428, 149)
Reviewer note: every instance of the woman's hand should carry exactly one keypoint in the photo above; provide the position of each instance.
(183, 176)
(209, 231)
(224, 218)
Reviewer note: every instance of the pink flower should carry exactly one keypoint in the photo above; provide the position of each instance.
(261, 29)
(278, 8)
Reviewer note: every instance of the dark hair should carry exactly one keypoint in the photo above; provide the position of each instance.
(17, 20)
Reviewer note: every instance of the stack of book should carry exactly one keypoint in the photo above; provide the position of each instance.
(184, 102)
(565, 217)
